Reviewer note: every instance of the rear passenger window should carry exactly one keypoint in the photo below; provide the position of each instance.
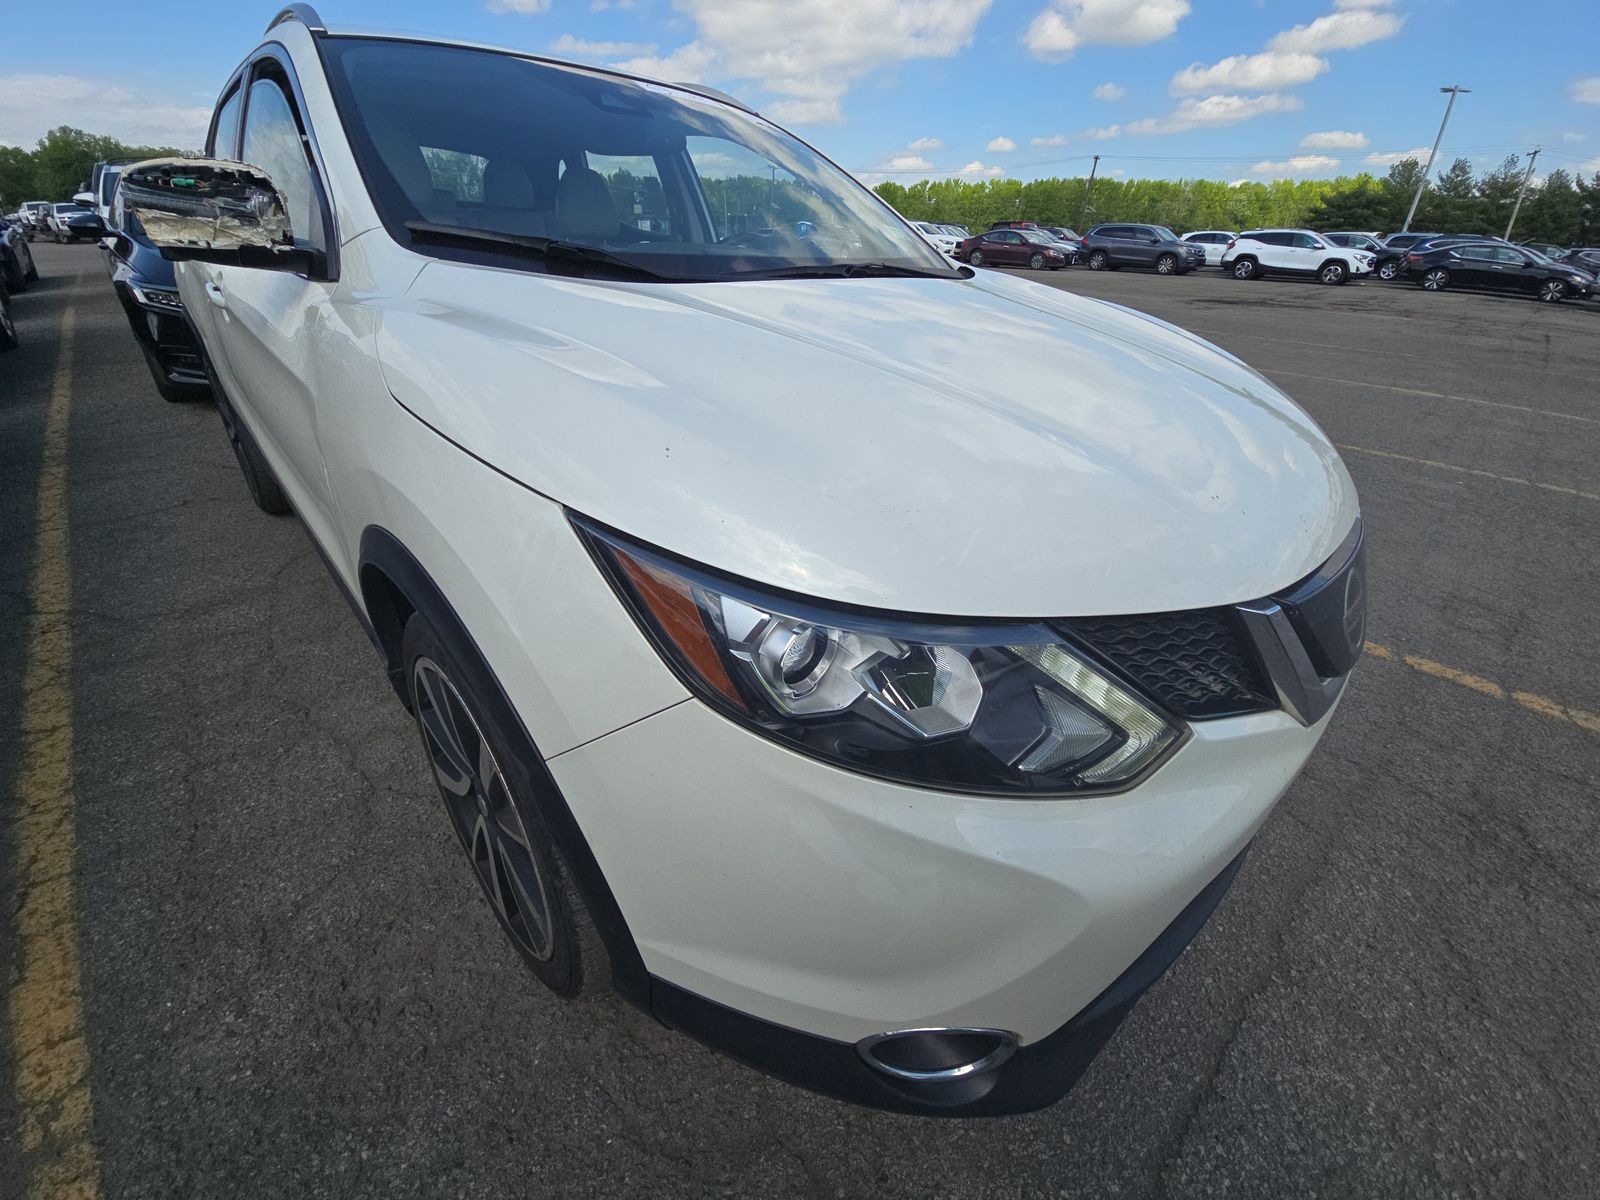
(456, 172)
(226, 135)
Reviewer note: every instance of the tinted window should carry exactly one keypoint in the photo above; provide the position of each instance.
(1477, 253)
(224, 139)
(272, 142)
(1509, 256)
(1273, 239)
(1009, 236)
(1306, 241)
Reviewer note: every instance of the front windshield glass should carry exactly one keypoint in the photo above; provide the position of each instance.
(1038, 237)
(684, 188)
(1165, 234)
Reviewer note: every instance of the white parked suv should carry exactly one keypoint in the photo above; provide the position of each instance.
(943, 240)
(1260, 252)
(882, 705)
(1213, 242)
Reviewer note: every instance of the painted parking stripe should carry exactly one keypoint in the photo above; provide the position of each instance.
(1428, 462)
(1405, 391)
(1543, 705)
(49, 1040)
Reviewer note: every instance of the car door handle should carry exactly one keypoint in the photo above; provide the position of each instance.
(214, 294)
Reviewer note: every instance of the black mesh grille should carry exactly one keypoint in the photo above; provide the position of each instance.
(1196, 663)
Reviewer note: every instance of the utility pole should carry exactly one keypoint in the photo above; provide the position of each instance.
(1089, 193)
(1522, 191)
(1432, 154)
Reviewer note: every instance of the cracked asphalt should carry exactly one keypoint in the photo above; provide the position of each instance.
(293, 988)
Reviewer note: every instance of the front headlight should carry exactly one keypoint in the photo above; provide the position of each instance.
(997, 707)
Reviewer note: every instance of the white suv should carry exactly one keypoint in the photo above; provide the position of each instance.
(884, 705)
(1293, 252)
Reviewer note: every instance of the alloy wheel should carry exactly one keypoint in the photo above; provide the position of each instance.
(1436, 279)
(1097, 261)
(1244, 269)
(1389, 270)
(1166, 265)
(1333, 273)
(977, 258)
(1552, 290)
(481, 809)
(1036, 262)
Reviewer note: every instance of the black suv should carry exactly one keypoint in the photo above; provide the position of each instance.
(1108, 247)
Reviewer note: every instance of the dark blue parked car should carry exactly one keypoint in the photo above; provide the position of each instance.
(148, 289)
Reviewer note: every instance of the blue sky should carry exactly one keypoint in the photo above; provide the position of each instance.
(905, 89)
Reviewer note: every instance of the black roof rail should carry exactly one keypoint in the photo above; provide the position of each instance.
(303, 13)
(709, 92)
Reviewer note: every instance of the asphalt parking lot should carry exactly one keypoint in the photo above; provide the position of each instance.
(292, 988)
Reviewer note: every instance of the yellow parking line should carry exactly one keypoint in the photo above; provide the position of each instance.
(1405, 391)
(47, 1029)
(1428, 462)
(1587, 721)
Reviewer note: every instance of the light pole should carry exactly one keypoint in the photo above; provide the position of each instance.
(1432, 154)
(1521, 191)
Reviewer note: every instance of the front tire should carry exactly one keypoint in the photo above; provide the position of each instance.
(1552, 291)
(1333, 274)
(1245, 268)
(497, 820)
(1166, 265)
(1436, 280)
(1036, 262)
(1389, 270)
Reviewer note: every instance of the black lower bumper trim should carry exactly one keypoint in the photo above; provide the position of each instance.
(1036, 1076)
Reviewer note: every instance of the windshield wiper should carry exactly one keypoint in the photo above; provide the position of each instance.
(850, 270)
(550, 249)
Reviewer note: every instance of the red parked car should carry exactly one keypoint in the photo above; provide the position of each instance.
(1009, 248)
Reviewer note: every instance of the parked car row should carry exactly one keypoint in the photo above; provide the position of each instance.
(1434, 260)
(16, 273)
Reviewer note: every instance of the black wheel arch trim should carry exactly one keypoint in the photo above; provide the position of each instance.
(1036, 1076)
(385, 562)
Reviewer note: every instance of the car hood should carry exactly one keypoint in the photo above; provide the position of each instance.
(983, 447)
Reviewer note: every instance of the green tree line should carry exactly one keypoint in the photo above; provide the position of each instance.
(1561, 208)
(62, 161)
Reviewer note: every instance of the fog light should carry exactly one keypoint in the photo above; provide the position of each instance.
(931, 1055)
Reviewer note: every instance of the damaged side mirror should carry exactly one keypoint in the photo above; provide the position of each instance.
(209, 210)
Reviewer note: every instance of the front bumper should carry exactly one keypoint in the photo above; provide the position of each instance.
(162, 332)
(786, 908)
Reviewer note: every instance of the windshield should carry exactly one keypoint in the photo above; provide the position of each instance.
(1165, 234)
(683, 188)
(1038, 237)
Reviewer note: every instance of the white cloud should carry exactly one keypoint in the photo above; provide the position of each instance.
(602, 5)
(1300, 164)
(567, 44)
(908, 162)
(1103, 133)
(1362, 3)
(1064, 25)
(1570, 136)
(1055, 139)
(826, 47)
(1000, 145)
(1213, 112)
(927, 143)
(1119, 173)
(1109, 91)
(527, 7)
(976, 170)
(1334, 139)
(32, 105)
(1338, 31)
(1264, 72)
(1586, 90)
(1388, 158)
